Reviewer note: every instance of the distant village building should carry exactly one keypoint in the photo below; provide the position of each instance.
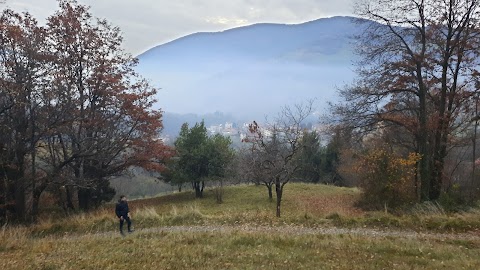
(166, 139)
(227, 130)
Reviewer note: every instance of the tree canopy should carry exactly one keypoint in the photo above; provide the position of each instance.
(417, 79)
(73, 111)
(200, 157)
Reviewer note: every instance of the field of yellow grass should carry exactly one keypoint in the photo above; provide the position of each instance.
(320, 228)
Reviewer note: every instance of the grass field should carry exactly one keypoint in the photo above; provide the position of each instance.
(303, 204)
(240, 250)
(208, 235)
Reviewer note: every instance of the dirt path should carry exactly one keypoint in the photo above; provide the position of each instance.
(296, 230)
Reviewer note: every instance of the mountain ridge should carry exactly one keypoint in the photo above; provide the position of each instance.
(252, 71)
(143, 54)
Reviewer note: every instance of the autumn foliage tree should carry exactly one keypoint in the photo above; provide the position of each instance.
(73, 110)
(22, 63)
(419, 60)
(387, 179)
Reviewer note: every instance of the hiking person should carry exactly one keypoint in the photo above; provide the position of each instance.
(123, 213)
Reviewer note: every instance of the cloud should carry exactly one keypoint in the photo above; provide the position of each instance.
(226, 21)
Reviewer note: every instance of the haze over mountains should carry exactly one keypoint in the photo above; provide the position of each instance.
(252, 71)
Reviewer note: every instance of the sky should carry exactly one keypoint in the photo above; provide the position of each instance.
(148, 23)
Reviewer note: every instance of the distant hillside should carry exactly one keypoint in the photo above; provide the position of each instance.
(251, 71)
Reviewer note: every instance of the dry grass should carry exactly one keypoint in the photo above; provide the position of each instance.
(303, 204)
(76, 242)
(13, 238)
(240, 250)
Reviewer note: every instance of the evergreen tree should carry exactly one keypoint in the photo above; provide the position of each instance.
(199, 157)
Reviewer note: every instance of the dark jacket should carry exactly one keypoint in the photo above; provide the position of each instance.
(121, 209)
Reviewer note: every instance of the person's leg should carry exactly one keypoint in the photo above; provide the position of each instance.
(121, 225)
(129, 224)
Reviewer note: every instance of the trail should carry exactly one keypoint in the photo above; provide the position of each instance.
(292, 230)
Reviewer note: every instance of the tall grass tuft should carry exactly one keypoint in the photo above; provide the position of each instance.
(146, 213)
(190, 214)
(429, 209)
(12, 238)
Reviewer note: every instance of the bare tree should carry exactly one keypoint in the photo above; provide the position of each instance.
(250, 168)
(277, 145)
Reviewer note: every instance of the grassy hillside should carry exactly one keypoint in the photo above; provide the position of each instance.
(320, 229)
(303, 204)
(245, 204)
(239, 250)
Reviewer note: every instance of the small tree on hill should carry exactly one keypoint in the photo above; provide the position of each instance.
(200, 157)
(278, 146)
(251, 166)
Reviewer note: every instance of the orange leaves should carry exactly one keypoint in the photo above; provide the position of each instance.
(387, 178)
(255, 135)
(150, 154)
(89, 101)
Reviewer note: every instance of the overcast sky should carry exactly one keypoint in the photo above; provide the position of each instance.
(147, 23)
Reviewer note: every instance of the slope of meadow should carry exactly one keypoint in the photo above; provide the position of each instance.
(320, 228)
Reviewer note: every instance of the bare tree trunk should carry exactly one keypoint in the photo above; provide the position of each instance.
(37, 193)
(20, 208)
(219, 192)
(279, 193)
(84, 198)
(474, 150)
(270, 192)
(5, 193)
(416, 184)
(197, 185)
(70, 193)
(425, 176)
(19, 195)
